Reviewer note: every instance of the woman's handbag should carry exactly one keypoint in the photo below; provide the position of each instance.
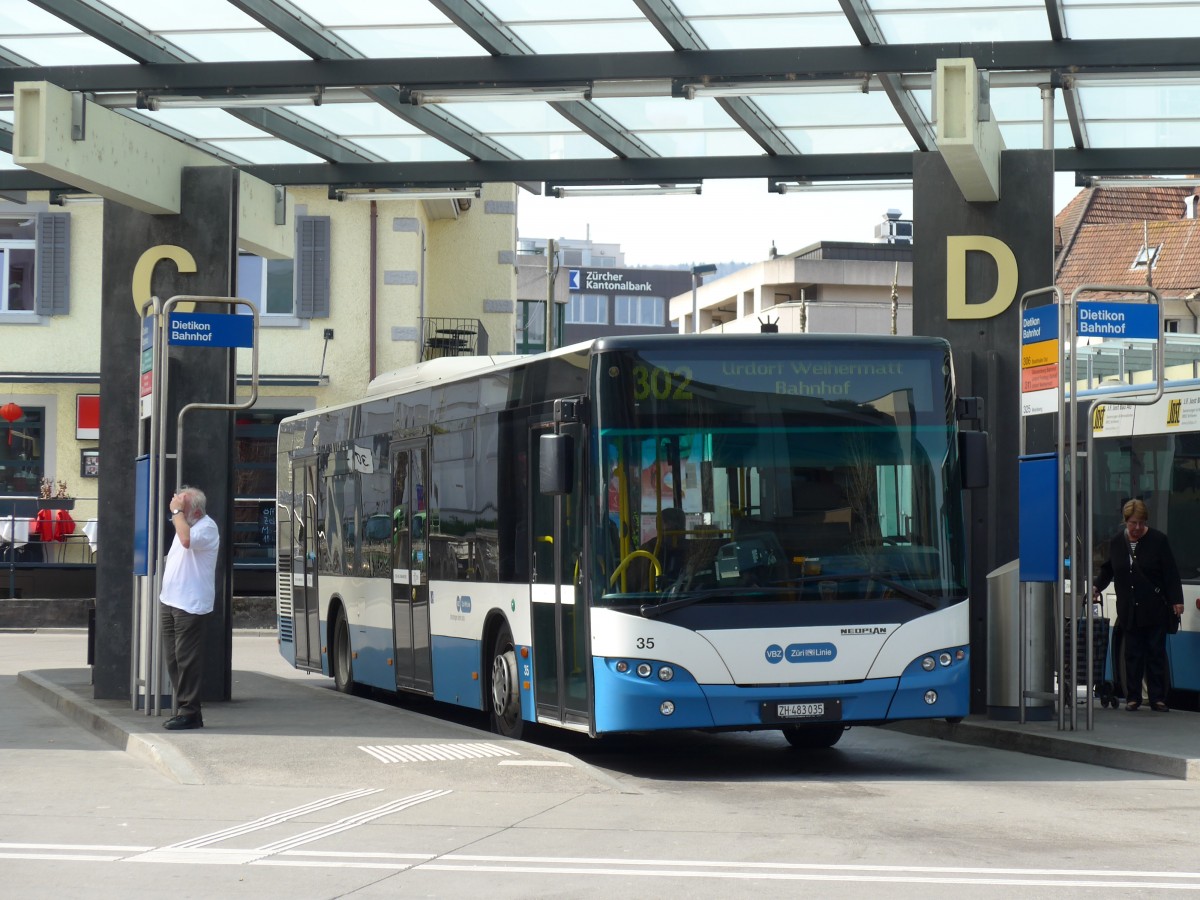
(1173, 620)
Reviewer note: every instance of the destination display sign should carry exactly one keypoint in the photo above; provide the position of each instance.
(852, 380)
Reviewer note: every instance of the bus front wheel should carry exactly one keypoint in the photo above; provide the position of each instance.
(505, 684)
(342, 662)
(813, 737)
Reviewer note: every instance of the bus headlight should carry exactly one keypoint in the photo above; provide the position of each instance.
(622, 666)
(644, 670)
(666, 673)
(931, 697)
(667, 708)
(945, 658)
(927, 664)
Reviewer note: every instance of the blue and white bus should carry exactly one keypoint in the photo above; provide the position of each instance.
(641, 533)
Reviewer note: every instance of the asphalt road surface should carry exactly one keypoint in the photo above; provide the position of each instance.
(883, 814)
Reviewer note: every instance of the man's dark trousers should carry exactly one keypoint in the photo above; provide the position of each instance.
(183, 644)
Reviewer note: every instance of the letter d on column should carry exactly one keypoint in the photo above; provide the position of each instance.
(957, 247)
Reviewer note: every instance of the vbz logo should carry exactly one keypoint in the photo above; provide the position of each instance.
(1174, 408)
(774, 654)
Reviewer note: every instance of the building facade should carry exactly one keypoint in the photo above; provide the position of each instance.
(398, 281)
(828, 287)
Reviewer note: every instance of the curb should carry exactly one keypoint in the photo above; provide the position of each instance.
(1059, 747)
(166, 759)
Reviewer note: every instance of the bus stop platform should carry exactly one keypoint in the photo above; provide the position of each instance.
(296, 726)
(1154, 743)
(300, 731)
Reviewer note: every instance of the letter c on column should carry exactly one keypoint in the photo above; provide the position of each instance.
(957, 246)
(184, 262)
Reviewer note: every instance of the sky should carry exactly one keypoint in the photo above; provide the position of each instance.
(731, 221)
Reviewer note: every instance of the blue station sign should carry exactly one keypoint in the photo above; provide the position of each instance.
(1132, 321)
(210, 330)
(1039, 324)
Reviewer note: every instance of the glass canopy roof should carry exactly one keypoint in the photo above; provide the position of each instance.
(613, 91)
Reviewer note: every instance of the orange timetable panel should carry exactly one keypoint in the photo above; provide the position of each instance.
(1040, 354)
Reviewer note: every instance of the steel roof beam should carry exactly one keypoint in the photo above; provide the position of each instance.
(1057, 20)
(309, 36)
(1116, 57)
(862, 20)
(481, 25)
(107, 25)
(663, 170)
(678, 32)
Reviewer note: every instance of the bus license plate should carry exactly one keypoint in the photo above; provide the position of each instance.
(803, 710)
(800, 710)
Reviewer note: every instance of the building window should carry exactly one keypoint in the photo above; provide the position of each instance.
(587, 309)
(267, 283)
(1171, 326)
(16, 266)
(647, 311)
(22, 460)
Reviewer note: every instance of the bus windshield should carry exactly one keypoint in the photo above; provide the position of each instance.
(828, 476)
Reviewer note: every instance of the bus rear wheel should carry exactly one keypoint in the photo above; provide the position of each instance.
(505, 687)
(342, 662)
(813, 737)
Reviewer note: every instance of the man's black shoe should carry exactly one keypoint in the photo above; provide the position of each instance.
(182, 723)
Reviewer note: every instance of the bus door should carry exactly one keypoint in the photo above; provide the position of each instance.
(410, 565)
(560, 623)
(306, 600)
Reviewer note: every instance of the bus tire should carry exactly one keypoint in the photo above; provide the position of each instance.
(505, 686)
(342, 661)
(813, 737)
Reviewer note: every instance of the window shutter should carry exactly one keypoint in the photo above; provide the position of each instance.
(312, 267)
(52, 278)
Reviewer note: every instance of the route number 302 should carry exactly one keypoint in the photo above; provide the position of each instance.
(661, 384)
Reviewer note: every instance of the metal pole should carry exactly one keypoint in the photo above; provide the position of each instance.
(695, 304)
(1047, 116)
(1023, 599)
(551, 270)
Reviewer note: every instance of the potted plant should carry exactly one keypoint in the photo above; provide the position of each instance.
(54, 496)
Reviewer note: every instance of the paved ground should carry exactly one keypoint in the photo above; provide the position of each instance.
(281, 717)
(295, 791)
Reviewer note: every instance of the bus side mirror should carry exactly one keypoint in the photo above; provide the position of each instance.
(556, 454)
(973, 458)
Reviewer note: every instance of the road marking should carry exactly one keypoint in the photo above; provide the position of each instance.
(390, 753)
(200, 852)
(284, 852)
(350, 822)
(273, 819)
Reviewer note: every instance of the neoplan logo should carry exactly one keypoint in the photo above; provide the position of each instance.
(872, 629)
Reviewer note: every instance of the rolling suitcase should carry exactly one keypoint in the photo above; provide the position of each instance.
(1098, 685)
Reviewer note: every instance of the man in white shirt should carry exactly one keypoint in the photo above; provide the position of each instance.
(189, 589)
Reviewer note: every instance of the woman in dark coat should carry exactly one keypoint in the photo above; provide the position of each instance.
(1149, 596)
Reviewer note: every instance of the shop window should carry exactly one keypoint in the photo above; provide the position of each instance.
(22, 446)
(255, 442)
